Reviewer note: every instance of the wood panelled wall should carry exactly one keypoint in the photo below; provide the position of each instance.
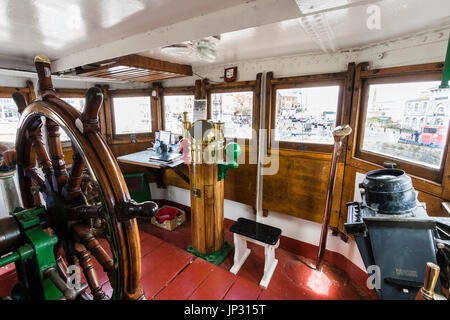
(299, 187)
(432, 193)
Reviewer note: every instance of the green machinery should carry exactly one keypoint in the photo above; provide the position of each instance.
(446, 71)
(24, 242)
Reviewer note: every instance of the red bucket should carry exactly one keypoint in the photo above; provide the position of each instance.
(167, 213)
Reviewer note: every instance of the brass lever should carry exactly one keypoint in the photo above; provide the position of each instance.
(431, 277)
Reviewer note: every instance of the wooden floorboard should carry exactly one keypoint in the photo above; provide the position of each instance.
(215, 286)
(161, 266)
(243, 289)
(183, 286)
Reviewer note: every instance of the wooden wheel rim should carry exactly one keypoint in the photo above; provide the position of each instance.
(108, 177)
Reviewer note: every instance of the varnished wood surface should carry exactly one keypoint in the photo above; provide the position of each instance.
(139, 68)
(107, 172)
(299, 187)
(206, 209)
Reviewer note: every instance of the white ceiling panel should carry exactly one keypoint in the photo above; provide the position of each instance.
(330, 30)
(66, 30)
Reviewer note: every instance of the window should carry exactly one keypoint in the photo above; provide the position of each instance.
(390, 132)
(77, 103)
(132, 115)
(9, 117)
(306, 115)
(235, 109)
(174, 106)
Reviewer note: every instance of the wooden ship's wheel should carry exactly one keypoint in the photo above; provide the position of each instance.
(79, 210)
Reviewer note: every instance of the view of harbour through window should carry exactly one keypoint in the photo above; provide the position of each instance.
(9, 117)
(235, 109)
(407, 121)
(132, 115)
(174, 106)
(306, 115)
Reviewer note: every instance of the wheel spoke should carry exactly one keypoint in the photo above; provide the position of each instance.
(92, 244)
(56, 152)
(83, 212)
(72, 189)
(89, 271)
(20, 101)
(35, 137)
(31, 172)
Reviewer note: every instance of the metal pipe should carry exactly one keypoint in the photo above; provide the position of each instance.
(8, 192)
(339, 134)
(10, 238)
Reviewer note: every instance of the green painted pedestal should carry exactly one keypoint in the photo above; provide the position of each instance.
(215, 257)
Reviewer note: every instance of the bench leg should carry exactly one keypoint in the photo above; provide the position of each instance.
(270, 264)
(241, 253)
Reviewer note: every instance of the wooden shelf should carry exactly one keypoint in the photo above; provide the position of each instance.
(137, 68)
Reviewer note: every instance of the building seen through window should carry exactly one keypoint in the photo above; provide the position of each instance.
(306, 115)
(174, 106)
(235, 109)
(9, 117)
(408, 121)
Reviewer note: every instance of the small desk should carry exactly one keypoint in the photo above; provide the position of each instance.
(142, 158)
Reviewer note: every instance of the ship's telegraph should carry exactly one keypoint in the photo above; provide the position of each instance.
(206, 141)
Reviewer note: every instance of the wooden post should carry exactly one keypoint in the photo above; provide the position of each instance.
(207, 191)
(207, 195)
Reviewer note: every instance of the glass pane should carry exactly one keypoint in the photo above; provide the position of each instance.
(306, 115)
(132, 115)
(77, 103)
(9, 117)
(235, 109)
(407, 121)
(174, 106)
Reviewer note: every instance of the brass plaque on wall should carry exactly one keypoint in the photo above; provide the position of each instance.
(196, 192)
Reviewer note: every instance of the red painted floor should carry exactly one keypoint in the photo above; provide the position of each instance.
(194, 278)
(169, 272)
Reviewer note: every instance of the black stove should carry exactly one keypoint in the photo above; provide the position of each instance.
(394, 234)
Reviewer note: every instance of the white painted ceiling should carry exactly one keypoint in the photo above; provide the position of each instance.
(76, 32)
(57, 28)
(347, 30)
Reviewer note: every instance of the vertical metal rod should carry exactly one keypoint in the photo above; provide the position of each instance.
(261, 149)
(339, 134)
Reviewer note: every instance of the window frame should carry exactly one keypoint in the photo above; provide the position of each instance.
(307, 81)
(114, 138)
(70, 93)
(239, 86)
(393, 75)
(6, 92)
(174, 91)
